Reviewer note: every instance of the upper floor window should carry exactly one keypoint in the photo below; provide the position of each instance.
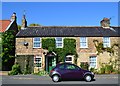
(83, 42)
(59, 42)
(106, 41)
(37, 42)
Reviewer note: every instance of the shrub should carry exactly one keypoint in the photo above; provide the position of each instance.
(102, 70)
(15, 70)
(108, 69)
(92, 69)
(84, 65)
(27, 70)
(43, 73)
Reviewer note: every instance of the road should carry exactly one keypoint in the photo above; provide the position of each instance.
(34, 79)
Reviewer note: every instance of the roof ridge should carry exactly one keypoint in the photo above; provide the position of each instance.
(63, 26)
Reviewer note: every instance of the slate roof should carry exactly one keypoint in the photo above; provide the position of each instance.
(68, 31)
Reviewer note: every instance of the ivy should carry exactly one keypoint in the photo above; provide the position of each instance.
(69, 47)
(48, 43)
(100, 48)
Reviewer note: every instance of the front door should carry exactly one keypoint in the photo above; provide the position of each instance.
(50, 63)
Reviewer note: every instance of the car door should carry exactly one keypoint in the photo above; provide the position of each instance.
(62, 71)
(73, 72)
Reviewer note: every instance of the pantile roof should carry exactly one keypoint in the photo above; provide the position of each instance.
(4, 24)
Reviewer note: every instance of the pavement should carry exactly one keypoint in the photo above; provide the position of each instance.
(4, 72)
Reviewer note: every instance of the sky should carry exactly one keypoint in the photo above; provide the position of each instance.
(62, 13)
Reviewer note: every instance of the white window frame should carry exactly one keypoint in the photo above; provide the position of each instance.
(58, 42)
(69, 61)
(106, 44)
(93, 61)
(86, 42)
(37, 42)
(38, 62)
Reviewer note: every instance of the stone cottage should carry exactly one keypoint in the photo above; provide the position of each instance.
(29, 50)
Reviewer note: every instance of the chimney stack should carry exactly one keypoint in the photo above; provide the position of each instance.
(24, 22)
(105, 23)
(13, 17)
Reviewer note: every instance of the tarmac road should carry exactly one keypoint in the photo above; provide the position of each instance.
(34, 79)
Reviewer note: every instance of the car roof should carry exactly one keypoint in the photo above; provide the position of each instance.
(64, 63)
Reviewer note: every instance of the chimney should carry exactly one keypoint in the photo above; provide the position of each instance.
(105, 23)
(24, 22)
(13, 17)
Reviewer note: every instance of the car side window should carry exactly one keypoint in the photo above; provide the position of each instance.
(71, 67)
(61, 67)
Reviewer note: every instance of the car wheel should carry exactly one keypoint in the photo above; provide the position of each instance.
(88, 78)
(55, 78)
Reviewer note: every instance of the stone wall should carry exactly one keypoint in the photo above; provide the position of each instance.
(83, 53)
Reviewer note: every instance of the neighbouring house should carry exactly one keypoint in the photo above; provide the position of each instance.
(11, 24)
(5, 26)
(30, 51)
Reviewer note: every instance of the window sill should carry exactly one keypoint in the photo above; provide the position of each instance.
(36, 47)
(84, 47)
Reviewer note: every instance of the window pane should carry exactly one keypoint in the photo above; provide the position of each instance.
(59, 42)
(37, 42)
(68, 58)
(106, 41)
(93, 61)
(59, 39)
(36, 39)
(61, 67)
(83, 42)
(38, 61)
(70, 67)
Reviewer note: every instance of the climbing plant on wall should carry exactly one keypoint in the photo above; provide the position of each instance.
(49, 44)
(100, 48)
(69, 47)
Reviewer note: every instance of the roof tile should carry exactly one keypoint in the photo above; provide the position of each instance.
(4, 24)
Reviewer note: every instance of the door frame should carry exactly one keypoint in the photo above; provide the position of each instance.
(48, 56)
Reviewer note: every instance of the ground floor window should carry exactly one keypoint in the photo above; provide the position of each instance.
(69, 59)
(93, 62)
(38, 61)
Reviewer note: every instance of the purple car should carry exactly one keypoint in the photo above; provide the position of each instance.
(67, 71)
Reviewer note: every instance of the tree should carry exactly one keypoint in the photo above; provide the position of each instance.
(0, 50)
(8, 49)
(19, 27)
(33, 24)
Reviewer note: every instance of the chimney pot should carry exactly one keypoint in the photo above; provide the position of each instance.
(13, 17)
(24, 22)
(105, 23)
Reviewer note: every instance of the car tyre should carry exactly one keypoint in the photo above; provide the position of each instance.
(88, 78)
(55, 78)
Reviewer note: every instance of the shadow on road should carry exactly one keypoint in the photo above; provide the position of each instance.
(77, 80)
